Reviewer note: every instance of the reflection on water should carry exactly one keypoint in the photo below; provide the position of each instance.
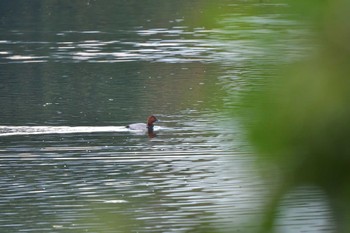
(178, 44)
(68, 164)
(105, 178)
(91, 49)
(182, 178)
(154, 190)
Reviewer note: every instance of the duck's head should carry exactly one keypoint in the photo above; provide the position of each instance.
(151, 120)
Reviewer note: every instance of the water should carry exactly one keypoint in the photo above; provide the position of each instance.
(74, 74)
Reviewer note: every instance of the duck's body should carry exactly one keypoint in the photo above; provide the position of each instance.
(142, 126)
(137, 126)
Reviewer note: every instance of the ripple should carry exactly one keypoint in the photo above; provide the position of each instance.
(131, 48)
(235, 39)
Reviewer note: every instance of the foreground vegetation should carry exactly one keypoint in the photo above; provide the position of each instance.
(302, 127)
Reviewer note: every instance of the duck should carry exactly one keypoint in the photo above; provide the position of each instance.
(144, 127)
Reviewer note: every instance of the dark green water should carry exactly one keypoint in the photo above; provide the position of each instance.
(73, 74)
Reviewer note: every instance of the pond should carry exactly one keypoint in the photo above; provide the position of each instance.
(74, 74)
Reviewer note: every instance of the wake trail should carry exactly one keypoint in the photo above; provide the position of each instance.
(31, 130)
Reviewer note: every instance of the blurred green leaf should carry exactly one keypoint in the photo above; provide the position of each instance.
(300, 123)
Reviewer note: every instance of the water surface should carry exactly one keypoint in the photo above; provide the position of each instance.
(74, 74)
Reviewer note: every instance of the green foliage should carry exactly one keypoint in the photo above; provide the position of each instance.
(302, 125)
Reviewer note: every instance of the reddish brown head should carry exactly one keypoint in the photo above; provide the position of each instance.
(151, 120)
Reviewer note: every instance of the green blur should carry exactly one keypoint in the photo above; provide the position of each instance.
(300, 122)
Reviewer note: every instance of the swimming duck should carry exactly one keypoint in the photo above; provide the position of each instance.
(142, 126)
